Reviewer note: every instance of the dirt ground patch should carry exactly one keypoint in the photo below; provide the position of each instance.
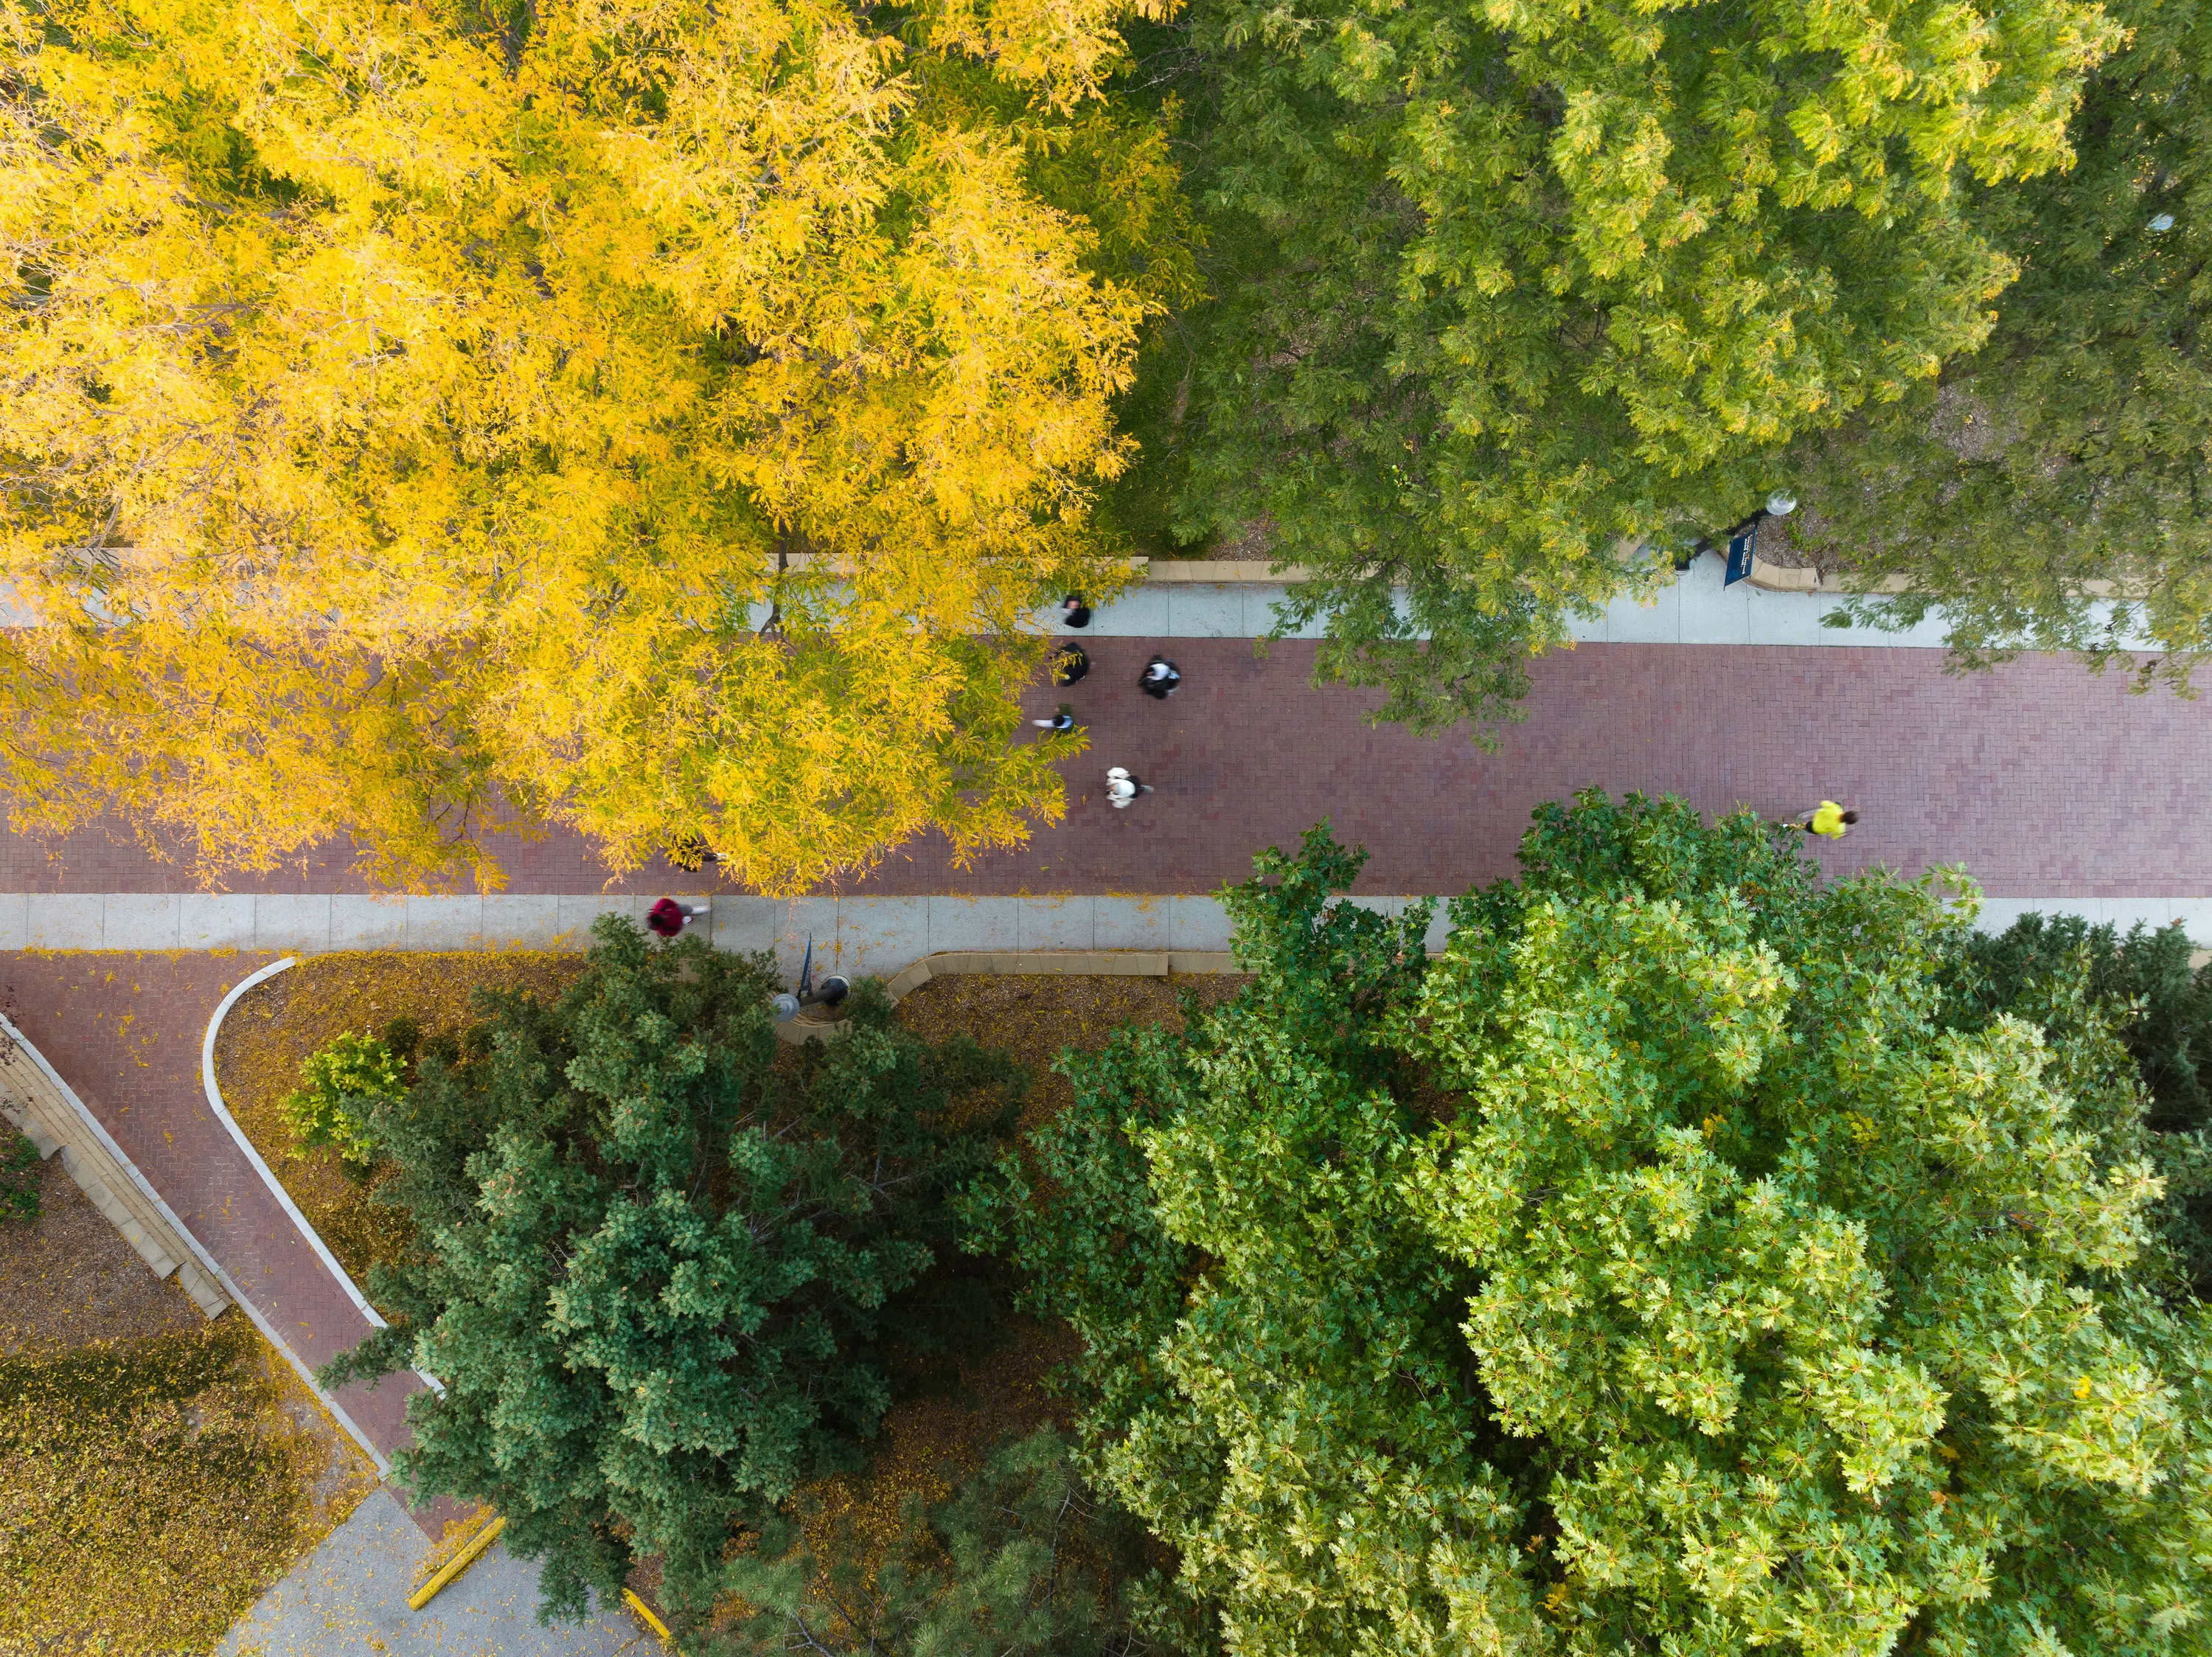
(1034, 1018)
(278, 1023)
(157, 1471)
(68, 1279)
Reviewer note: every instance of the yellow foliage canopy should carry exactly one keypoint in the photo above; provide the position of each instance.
(405, 407)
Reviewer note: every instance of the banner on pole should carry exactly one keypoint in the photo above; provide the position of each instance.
(1740, 550)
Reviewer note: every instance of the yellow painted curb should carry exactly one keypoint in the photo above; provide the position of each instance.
(453, 1567)
(651, 1621)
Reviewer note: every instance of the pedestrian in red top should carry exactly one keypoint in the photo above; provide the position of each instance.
(668, 917)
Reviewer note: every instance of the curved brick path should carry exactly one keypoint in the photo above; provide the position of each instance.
(2046, 780)
(124, 1030)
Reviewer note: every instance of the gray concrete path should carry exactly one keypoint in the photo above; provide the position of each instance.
(351, 1596)
(852, 934)
(1696, 609)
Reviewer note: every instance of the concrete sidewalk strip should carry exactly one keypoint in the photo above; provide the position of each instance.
(856, 936)
(350, 1595)
(1697, 608)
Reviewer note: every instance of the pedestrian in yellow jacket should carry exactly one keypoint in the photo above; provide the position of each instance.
(1827, 819)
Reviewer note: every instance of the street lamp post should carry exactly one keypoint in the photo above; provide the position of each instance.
(834, 990)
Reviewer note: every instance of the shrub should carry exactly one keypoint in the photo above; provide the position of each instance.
(19, 1178)
(345, 1081)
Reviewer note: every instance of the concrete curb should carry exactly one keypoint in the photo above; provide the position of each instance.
(245, 1146)
(1055, 963)
(299, 1221)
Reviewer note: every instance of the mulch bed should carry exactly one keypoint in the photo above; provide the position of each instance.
(278, 1023)
(1001, 1394)
(1034, 1018)
(1005, 1393)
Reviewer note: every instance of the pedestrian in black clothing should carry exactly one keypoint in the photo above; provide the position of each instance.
(1060, 724)
(1160, 678)
(1069, 665)
(1074, 612)
(692, 854)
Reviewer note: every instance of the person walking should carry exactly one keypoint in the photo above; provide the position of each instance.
(1827, 819)
(667, 917)
(1069, 665)
(1074, 612)
(1159, 678)
(692, 854)
(1060, 723)
(1122, 790)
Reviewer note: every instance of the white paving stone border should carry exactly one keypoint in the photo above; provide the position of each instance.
(853, 935)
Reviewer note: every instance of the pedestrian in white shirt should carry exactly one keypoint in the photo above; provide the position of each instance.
(1122, 790)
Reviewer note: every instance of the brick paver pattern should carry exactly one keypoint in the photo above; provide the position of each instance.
(2044, 779)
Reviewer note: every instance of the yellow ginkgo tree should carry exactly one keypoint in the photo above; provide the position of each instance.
(407, 413)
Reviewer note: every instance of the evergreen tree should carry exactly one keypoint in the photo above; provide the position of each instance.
(2051, 493)
(1016, 1561)
(1513, 288)
(659, 1268)
(1662, 1268)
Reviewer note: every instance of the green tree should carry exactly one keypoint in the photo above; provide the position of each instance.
(660, 1270)
(2051, 492)
(1659, 1268)
(1506, 290)
(2139, 988)
(1017, 1560)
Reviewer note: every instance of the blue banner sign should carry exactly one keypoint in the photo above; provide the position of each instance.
(1741, 549)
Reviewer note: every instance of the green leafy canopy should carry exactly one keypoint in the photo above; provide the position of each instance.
(1682, 1261)
(1506, 290)
(2050, 493)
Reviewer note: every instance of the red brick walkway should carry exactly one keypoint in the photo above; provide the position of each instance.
(2046, 780)
(124, 1032)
